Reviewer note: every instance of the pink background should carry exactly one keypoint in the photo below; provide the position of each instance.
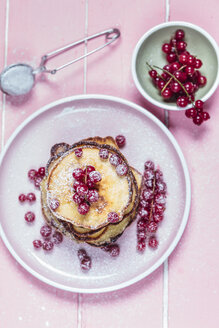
(185, 291)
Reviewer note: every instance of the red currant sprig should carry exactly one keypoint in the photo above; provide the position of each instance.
(181, 78)
(151, 207)
(196, 113)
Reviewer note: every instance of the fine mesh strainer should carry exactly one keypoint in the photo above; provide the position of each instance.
(18, 79)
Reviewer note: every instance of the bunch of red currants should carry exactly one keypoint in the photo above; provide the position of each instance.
(180, 78)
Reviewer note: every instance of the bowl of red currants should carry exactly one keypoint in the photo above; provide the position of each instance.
(175, 66)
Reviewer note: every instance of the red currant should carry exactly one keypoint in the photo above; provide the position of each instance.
(37, 182)
(90, 184)
(95, 176)
(92, 196)
(202, 80)
(141, 224)
(168, 68)
(198, 63)
(197, 120)
(191, 60)
(171, 57)
(143, 213)
(81, 254)
(205, 116)
(114, 250)
(113, 217)
(122, 169)
(161, 186)
(120, 140)
(179, 34)
(191, 112)
(199, 104)
(77, 199)
(148, 174)
(167, 48)
(189, 70)
(37, 243)
(161, 83)
(89, 168)
(182, 101)
(42, 171)
(149, 165)
(57, 237)
(78, 174)
(78, 152)
(86, 263)
(141, 245)
(115, 160)
(153, 73)
(157, 218)
(167, 93)
(147, 194)
(103, 153)
(54, 204)
(83, 208)
(29, 216)
(181, 45)
(45, 231)
(175, 87)
(31, 197)
(160, 198)
(175, 66)
(158, 209)
(153, 242)
(189, 87)
(181, 76)
(183, 58)
(22, 198)
(152, 227)
(32, 174)
(48, 245)
(82, 189)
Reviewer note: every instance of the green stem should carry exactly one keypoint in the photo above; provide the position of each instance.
(152, 69)
(168, 82)
(182, 86)
(152, 202)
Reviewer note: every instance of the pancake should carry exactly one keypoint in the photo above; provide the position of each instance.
(121, 194)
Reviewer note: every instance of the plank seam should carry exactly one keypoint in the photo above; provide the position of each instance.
(165, 266)
(5, 64)
(85, 48)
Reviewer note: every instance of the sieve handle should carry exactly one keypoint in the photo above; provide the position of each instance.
(111, 35)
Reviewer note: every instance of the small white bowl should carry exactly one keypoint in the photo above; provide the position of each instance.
(148, 49)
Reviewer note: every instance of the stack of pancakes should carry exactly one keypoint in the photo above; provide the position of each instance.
(117, 193)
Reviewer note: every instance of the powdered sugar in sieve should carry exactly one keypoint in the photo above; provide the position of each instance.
(17, 79)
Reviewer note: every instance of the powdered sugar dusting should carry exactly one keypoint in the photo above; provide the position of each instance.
(144, 140)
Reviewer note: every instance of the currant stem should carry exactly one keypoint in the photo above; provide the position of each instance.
(182, 86)
(168, 82)
(152, 69)
(152, 202)
(85, 175)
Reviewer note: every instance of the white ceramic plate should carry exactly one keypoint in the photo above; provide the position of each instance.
(70, 120)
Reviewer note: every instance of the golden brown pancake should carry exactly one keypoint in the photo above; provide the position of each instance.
(117, 194)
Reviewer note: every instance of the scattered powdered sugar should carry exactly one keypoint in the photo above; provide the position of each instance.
(145, 142)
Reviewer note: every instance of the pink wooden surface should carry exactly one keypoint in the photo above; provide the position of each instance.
(191, 300)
